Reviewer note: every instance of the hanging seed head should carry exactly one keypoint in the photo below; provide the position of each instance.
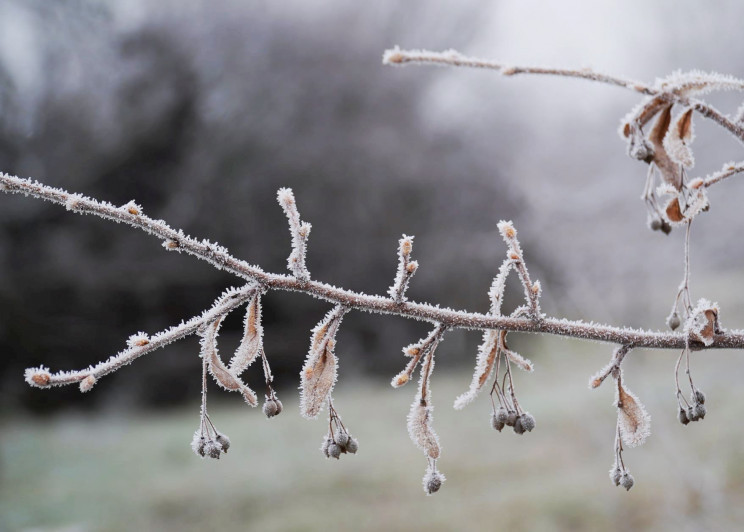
(495, 423)
(334, 451)
(502, 415)
(511, 418)
(654, 224)
(433, 480)
(352, 446)
(700, 410)
(223, 441)
(342, 438)
(673, 321)
(616, 474)
(627, 481)
(691, 414)
(698, 397)
(682, 416)
(518, 428)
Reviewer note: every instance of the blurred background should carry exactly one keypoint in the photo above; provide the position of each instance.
(200, 110)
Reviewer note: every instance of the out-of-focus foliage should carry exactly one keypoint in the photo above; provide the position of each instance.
(200, 111)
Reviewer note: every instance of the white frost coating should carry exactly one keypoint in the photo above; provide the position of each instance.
(217, 369)
(252, 342)
(319, 373)
(696, 82)
(632, 418)
(485, 362)
(138, 340)
(702, 324)
(300, 233)
(678, 139)
(406, 269)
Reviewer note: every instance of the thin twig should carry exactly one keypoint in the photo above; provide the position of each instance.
(396, 56)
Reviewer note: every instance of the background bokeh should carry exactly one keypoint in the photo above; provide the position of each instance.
(200, 110)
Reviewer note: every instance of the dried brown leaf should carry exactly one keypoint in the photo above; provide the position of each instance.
(252, 342)
(678, 139)
(673, 210)
(318, 375)
(632, 418)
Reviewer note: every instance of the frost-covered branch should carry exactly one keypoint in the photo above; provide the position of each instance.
(218, 256)
(406, 269)
(141, 344)
(673, 89)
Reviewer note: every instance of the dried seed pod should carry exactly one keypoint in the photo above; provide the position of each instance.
(673, 321)
(700, 410)
(352, 446)
(342, 438)
(682, 416)
(616, 474)
(334, 451)
(511, 418)
(270, 408)
(432, 481)
(223, 441)
(665, 227)
(318, 375)
(528, 421)
(627, 481)
(279, 406)
(698, 397)
(691, 414)
(502, 415)
(213, 449)
(518, 428)
(495, 423)
(654, 224)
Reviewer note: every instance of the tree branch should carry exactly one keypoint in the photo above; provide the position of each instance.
(219, 257)
(671, 93)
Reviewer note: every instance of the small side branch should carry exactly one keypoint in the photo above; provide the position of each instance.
(300, 232)
(141, 345)
(668, 92)
(531, 290)
(406, 269)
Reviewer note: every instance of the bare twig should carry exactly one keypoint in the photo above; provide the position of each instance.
(396, 56)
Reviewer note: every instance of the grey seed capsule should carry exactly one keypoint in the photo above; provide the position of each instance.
(342, 438)
(627, 481)
(326, 443)
(699, 397)
(673, 321)
(270, 408)
(352, 446)
(700, 410)
(616, 475)
(518, 428)
(502, 415)
(691, 414)
(682, 416)
(433, 483)
(213, 449)
(511, 418)
(223, 441)
(528, 421)
(495, 423)
(334, 451)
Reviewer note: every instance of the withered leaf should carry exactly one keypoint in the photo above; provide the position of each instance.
(673, 211)
(252, 342)
(217, 369)
(420, 429)
(632, 418)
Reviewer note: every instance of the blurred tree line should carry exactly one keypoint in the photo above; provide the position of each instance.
(199, 111)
